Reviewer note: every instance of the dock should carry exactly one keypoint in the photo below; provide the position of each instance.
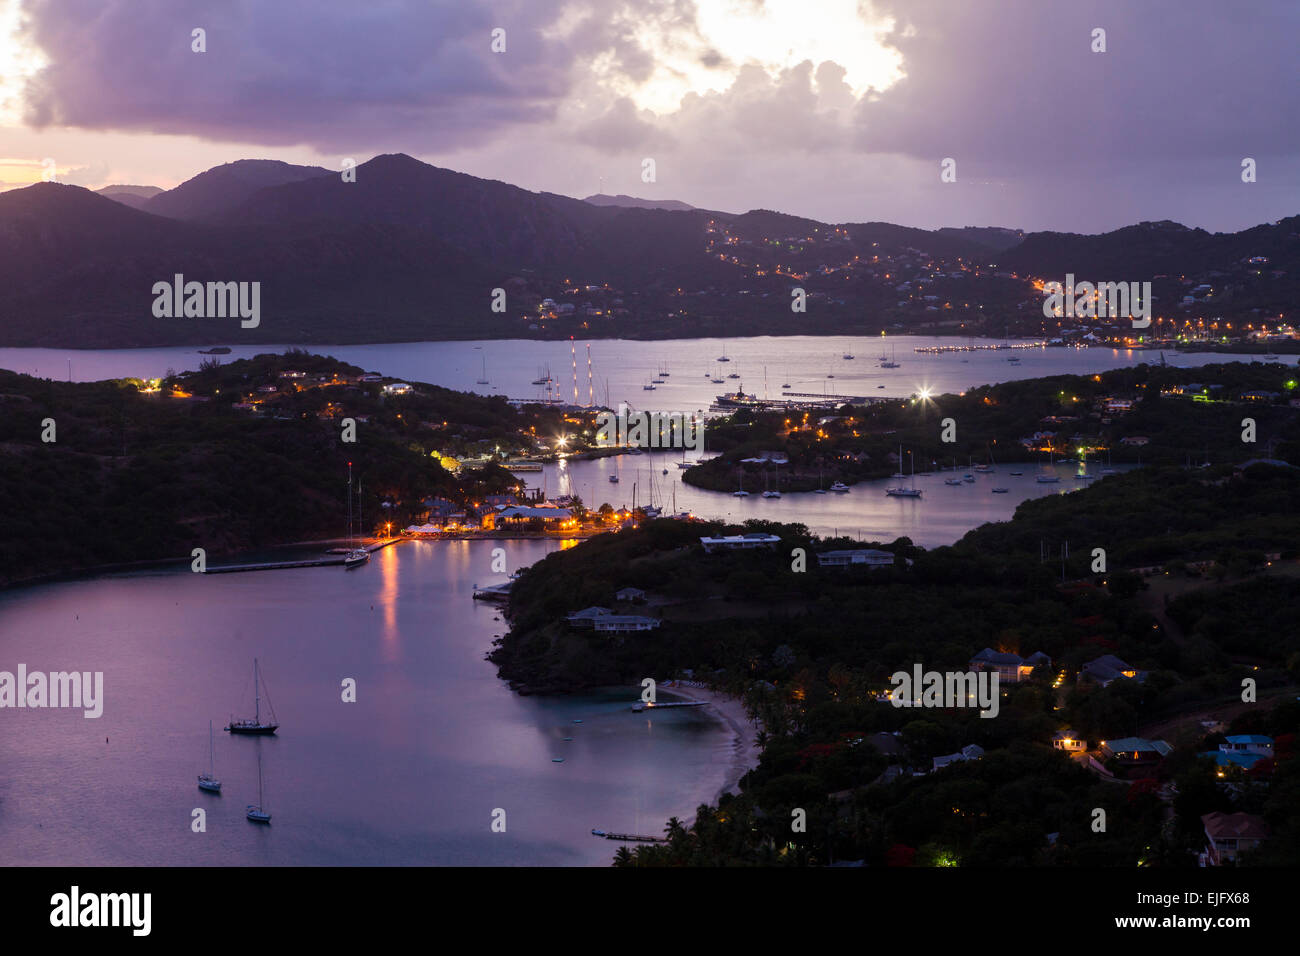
(627, 837)
(641, 705)
(493, 592)
(305, 563)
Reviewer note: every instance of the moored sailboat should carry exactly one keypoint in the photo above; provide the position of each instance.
(208, 781)
(255, 726)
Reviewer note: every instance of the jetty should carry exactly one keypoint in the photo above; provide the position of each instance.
(641, 705)
(627, 837)
(305, 563)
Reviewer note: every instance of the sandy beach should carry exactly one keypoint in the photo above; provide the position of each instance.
(731, 711)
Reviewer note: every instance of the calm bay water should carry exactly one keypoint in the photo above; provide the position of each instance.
(409, 774)
(940, 516)
(764, 364)
(412, 772)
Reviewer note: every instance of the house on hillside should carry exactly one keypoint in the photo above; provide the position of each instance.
(1228, 834)
(1010, 668)
(1108, 668)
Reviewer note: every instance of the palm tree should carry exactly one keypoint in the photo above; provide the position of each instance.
(623, 857)
(676, 832)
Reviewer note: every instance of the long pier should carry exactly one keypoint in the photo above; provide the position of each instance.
(628, 837)
(306, 563)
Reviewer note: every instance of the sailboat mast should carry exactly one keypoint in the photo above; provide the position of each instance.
(211, 759)
(349, 505)
(257, 695)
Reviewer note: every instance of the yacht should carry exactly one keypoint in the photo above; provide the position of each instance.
(355, 556)
(208, 781)
(257, 812)
(899, 491)
(840, 488)
(771, 494)
(254, 726)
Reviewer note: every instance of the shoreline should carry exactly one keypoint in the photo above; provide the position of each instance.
(731, 712)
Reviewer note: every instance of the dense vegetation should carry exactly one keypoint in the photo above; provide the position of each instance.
(859, 443)
(133, 476)
(811, 649)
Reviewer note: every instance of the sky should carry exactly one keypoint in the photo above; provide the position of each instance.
(839, 110)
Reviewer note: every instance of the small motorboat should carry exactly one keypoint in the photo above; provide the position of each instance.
(613, 479)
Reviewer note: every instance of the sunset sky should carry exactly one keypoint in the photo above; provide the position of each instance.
(836, 109)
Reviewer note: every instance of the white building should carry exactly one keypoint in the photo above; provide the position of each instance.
(740, 542)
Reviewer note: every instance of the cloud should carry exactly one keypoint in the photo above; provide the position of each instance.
(752, 102)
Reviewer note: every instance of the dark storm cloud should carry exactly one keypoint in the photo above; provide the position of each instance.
(412, 73)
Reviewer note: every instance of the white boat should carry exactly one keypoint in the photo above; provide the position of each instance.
(840, 488)
(899, 491)
(208, 781)
(820, 491)
(968, 478)
(740, 494)
(847, 357)
(613, 479)
(903, 492)
(771, 494)
(952, 481)
(355, 556)
(648, 388)
(257, 812)
(684, 465)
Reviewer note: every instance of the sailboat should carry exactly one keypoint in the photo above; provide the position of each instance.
(255, 726)
(892, 363)
(899, 491)
(257, 811)
(208, 781)
(355, 556)
(740, 492)
(769, 492)
(819, 490)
